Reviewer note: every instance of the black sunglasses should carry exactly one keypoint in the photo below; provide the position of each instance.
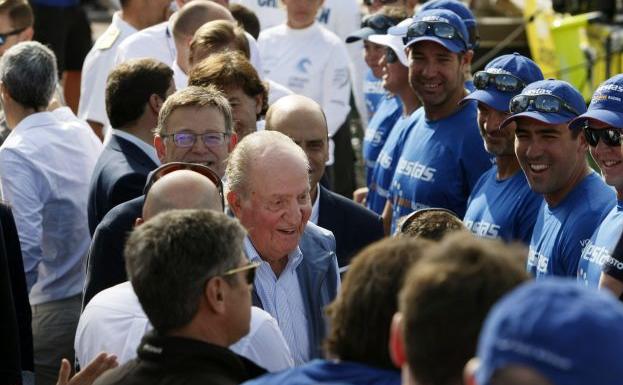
(250, 268)
(502, 82)
(3, 36)
(610, 136)
(168, 168)
(436, 28)
(379, 23)
(390, 56)
(542, 103)
(369, 2)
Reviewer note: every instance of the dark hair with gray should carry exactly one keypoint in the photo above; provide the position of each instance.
(195, 96)
(246, 153)
(28, 72)
(170, 257)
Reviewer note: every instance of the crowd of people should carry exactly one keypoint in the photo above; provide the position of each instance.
(186, 212)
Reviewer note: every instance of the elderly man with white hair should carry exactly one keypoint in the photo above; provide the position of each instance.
(269, 193)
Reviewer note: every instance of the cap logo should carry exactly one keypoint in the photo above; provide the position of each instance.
(535, 352)
(537, 91)
(610, 87)
(436, 18)
(498, 71)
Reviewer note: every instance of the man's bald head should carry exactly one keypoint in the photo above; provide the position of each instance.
(182, 189)
(196, 13)
(303, 120)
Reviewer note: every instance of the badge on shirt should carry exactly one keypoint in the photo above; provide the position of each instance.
(108, 38)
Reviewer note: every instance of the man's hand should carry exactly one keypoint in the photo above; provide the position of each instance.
(89, 374)
(360, 195)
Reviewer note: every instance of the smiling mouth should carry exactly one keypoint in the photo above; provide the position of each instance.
(538, 167)
(611, 163)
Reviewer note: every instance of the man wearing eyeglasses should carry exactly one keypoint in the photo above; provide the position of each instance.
(602, 125)
(194, 125)
(501, 204)
(553, 158)
(443, 155)
(192, 279)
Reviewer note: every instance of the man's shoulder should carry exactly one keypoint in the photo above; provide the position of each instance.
(123, 214)
(351, 210)
(318, 235)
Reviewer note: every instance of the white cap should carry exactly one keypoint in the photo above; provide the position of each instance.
(400, 29)
(395, 43)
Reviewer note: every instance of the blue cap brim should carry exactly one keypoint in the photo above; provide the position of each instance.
(450, 45)
(543, 117)
(611, 118)
(495, 99)
(360, 34)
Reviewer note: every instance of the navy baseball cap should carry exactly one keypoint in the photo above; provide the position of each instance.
(568, 333)
(460, 9)
(376, 24)
(513, 64)
(551, 90)
(606, 104)
(456, 45)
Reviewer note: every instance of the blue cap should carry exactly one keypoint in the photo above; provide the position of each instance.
(558, 88)
(568, 333)
(606, 104)
(457, 7)
(445, 16)
(514, 64)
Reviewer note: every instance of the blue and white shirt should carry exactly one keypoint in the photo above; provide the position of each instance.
(373, 92)
(560, 233)
(504, 209)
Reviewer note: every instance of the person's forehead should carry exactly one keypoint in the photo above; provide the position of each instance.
(532, 125)
(234, 91)
(194, 118)
(430, 47)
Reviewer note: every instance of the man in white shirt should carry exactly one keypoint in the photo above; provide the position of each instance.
(134, 15)
(114, 321)
(45, 166)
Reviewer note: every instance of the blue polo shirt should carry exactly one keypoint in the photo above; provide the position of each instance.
(560, 233)
(504, 209)
(383, 170)
(439, 165)
(387, 114)
(373, 92)
(599, 249)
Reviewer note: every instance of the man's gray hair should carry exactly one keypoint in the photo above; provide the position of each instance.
(195, 96)
(28, 72)
(170, 258)
(247, 152)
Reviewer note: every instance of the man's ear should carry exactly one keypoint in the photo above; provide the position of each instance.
(469, 372)
(160, 148)
(139, 221)
(396, 341)
(215, 292)
(155, 103)
(467, 58)
(27, 34)
(234, 201)
(233, 140)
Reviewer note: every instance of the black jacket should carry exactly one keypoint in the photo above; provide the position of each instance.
(175, 360)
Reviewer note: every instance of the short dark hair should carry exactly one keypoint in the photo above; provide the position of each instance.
(229, 69)
(170, 257)
(432, 223)
(445, 299)
(129, 87)
(246, 18)
(361, 315)
(215, 36)
(19, 12)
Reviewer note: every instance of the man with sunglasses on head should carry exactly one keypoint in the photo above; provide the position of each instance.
(501, 204)
(553, 158)
(192, 279)
(195, 125)
(114, 321)
(443, 155)
(602, 125)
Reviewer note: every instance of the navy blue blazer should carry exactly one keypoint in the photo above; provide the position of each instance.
(353, 225)
(105, 262)
(119, 175)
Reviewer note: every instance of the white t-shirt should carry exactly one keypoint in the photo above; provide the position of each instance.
(114, 322)
(312, 62)
(155, 42)
(97, 64)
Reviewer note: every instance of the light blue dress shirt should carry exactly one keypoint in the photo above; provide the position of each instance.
(282, 298)
(45, 169)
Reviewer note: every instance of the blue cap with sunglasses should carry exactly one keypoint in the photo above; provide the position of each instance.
(547, 101)
(376, 24)
(460, 9)
(502, 79)
(606, 105)
(440, 26)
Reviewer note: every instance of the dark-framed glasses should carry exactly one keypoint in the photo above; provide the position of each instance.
(610, 136)
(250, 269)
(168, 168)
(436, 28)
(542, 103)
(188, 139)
(502, 82)
(390, 56)
(370, 2)
(4, 36)
(378, 22)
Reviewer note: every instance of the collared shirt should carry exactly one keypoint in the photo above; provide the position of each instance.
(98, 63)
(180, 78)
(154, 42)
(150, 151)
(114, 322)
(282, 298)
(45, 170)
(315, 214)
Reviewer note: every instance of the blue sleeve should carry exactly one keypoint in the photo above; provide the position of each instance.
(526, 217)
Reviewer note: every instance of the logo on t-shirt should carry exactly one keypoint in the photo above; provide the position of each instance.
(302, 65)
(483, 229)
(535, 259)
(595, 254)
(267, 3)
(416, 170)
